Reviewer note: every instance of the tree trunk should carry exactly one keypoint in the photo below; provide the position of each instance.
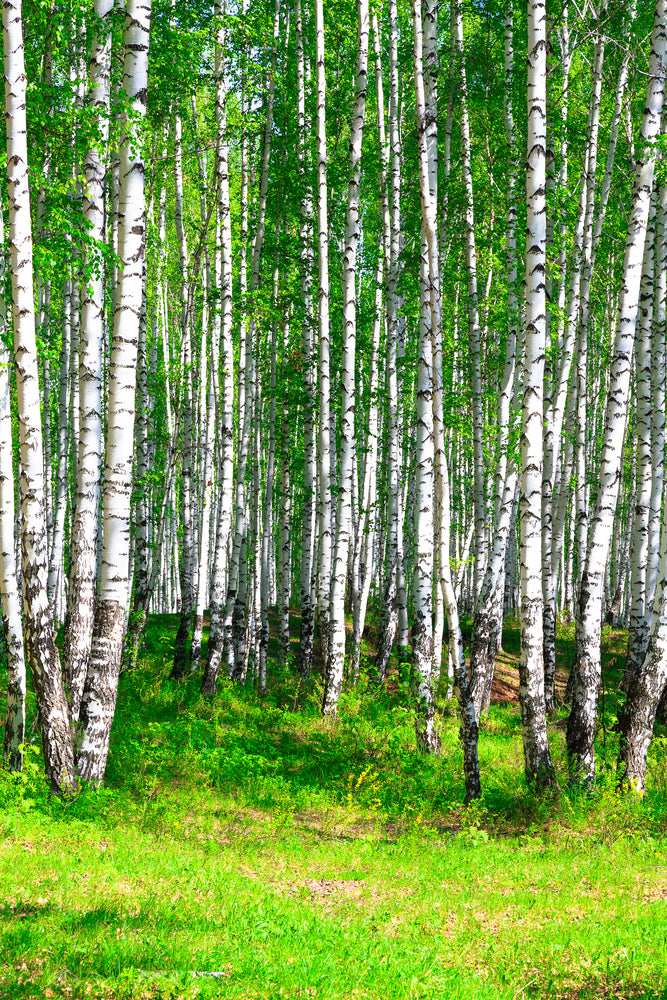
(336, 664)
(538, 766)
(581, 726)
(99, 696)
(9, 589)
(41, 651)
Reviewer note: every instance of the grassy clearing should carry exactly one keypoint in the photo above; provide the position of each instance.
(250, 850)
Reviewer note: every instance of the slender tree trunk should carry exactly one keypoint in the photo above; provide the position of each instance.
(324, 462)
(306, 270)
(56, 587)
(182, 643)
(99, 696)
(391, 208)
(577, 307)
(9, 589)
(657, 410)
(366, 532)
(474, 330)
(422, 629)
(284, 568)
(41, 651)
(581, 726)
(223, 317)
(336, 663)
(488, 612)
(639, 615)
(83, 544)
(237, 578)
(539, 769)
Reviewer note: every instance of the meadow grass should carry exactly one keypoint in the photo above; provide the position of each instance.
(246, 848)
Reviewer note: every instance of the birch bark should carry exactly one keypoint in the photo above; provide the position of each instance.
(474, 331)
(391, 208)
(9, 588)
(422, 628)
(488, 613)
(306, 259)
(99, 696)
(83, 544)
(324, 382)
(639, 617)
(538, 766)
(223, 317)
(41, 652)
(336, 663)
(581, 725)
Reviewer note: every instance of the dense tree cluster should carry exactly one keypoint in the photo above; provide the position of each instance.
(352, 308)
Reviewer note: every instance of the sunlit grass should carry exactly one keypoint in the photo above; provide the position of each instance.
(248, 849)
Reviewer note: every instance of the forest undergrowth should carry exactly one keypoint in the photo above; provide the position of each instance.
(246, 848)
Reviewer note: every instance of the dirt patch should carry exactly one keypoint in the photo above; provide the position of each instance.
(606, 990)
(503, 693)
(325, 888)
(505, 687)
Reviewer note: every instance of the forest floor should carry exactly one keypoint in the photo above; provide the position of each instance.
(245, 848)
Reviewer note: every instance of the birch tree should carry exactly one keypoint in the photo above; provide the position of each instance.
(41, 652)
(336, 661)
(100, 690)
(581, 725)
(539, 768)
(81, 591)
(9, 588)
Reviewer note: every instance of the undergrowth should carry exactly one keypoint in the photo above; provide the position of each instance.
(244, 847)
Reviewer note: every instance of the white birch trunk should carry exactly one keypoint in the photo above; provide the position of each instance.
(324, 460)
(657, 394)
(488, 612)
(9, 589)
(56, 586)
(237, 592)
(581, 726)
(474, 330)
(99, 695)
(639, 618)
(422, 629)
(83, 543)
(336, 661)
(538, 766)
(390, 189)
(306, 260)
(182, 643)
(366, 531)
(41, 651)
(223, 317)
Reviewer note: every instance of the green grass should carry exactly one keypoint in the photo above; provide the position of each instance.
(295, 858)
